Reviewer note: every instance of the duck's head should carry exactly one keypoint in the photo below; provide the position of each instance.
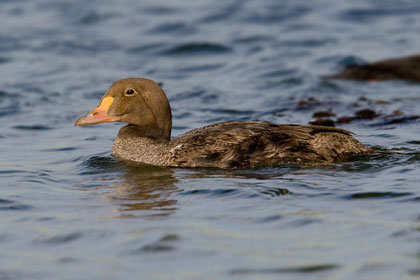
(137, 101)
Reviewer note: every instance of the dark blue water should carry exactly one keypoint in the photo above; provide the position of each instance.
(68, 210)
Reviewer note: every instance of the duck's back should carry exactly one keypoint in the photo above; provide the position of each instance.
(252, 144)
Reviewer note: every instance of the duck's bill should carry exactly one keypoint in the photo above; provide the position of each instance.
(98, 115)
(95, 117)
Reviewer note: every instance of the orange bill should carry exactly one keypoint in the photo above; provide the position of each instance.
(98, 115)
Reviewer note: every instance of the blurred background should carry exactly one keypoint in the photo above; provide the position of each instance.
(71, 211)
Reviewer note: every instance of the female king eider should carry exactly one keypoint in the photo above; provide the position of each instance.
(237, 144)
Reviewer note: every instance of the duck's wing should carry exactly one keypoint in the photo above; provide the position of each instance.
(249, 144)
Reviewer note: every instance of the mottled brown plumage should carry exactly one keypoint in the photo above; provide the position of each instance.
(402, 68)
(224, 145)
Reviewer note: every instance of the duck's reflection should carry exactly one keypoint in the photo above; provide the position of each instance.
(145, 187)
(266, 173)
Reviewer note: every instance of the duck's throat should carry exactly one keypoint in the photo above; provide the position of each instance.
(131, 144)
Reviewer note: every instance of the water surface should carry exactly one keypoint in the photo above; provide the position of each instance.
(71, 211)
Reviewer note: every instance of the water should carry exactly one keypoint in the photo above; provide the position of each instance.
(71, 211)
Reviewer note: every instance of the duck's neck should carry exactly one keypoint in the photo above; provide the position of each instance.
(133, 144)
(134, 131)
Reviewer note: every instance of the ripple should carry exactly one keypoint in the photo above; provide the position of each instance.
(155, 248)
(253, 39)
(226, 13)
(63, 149)
(368, 15)
(159, 10)
(6, 205)
(302, 222)
(60, 239)
(11, 171)
(67, 260)
(277, 73)
(275, 14)
(8, 43)
(309, 42)
(32, 127)
(231, 111)
(4, 238)
(93, 17)
(198, 48)
(195, 93)
(376, 195)
(20, 274)
(203, 67)
(141, 49)
(164, 244)
(9, 103)
(209, 192)
(301, 269)
(173, 28)
(98, 162)
(71, 48)
(269, 219)
(4, 59)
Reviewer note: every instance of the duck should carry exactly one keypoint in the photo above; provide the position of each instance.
(400, 68)
(143, 105)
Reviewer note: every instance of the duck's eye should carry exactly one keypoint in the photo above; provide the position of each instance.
(129, 91)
